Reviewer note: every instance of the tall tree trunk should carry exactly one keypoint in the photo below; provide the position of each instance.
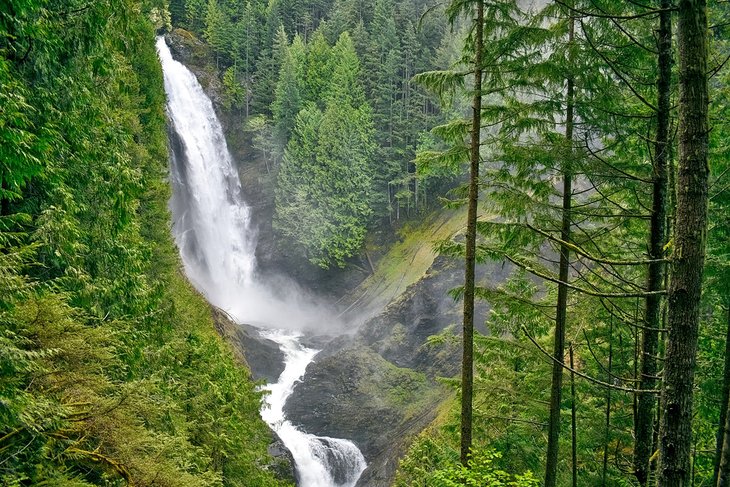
(573, 421)
(607, 437)
(685, 285)
(723, 473)
(723, 433)
(4, 201)
(551, 463)
(657, 240)
(467, 363)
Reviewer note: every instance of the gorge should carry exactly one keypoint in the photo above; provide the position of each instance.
(211, 227)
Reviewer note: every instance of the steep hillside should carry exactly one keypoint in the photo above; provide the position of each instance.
(111, 371)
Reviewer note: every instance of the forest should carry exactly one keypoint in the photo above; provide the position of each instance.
(584, 143)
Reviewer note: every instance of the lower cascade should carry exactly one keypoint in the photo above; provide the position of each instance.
(211, 229)
(321, 460)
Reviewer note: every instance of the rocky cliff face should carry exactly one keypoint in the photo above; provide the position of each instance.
(261, 356)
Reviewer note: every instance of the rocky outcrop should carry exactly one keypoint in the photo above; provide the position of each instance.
(265, 360)
(283, 464)
(356, 394)
(260, 355)
(198, 58)
(379, 388)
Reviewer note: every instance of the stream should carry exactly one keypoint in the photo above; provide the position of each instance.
(211, 226)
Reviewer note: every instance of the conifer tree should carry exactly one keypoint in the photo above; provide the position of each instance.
(318, 68)
(467, 362)
(323, 195)
(268, 69)
(688, 255)
(657, 236)
(290, 91)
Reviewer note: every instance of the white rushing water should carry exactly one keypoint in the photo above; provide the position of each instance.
(321, 460)
(212, 230)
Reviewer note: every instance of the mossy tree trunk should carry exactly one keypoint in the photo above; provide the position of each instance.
(688, 260)
(467, 365)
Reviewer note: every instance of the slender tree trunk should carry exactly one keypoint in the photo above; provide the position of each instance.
(4, 202)
(689, 247)
(637, 361)
(722, 452)
(573, 422)
(467, 364)
(694, 463)
(655, 280)
(551, 464)
(723, 473)
(607, 437)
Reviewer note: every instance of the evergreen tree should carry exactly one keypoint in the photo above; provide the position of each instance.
(323, 194)
(268, 68)
(318, 68)
(655, 279)
(689, 247)
(290, 91)
(467, 362)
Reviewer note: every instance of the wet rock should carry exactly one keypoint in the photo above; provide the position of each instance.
(358, 395)
(283, 464)
(262, 356)
(378, 387)
(265, 360)
(198, 58)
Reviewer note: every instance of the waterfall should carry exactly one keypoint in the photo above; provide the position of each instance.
(212, 229)
(321, 460)
(211, 221)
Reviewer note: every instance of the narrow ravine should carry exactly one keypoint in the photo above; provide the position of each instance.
(211, 225)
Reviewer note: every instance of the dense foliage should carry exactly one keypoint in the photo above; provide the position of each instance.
(110, 368)
(571, 126)
(325, 180)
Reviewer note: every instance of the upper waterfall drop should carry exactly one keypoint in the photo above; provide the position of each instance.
(212, 222)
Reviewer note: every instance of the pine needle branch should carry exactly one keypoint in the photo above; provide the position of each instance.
(588, 292)
(586, 376)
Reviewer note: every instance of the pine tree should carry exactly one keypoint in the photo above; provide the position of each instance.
(467, 362)
(318, 68)
(289, 94)
(657, 230)
(688, 247)
(268, 67)
(324, 187)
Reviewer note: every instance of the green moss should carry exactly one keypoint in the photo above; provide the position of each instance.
(407, 260)
(394, 388)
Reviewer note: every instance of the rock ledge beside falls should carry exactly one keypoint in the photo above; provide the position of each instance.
(266, 362)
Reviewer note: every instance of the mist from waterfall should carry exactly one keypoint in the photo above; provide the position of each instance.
(211, 222)
(212, 229)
